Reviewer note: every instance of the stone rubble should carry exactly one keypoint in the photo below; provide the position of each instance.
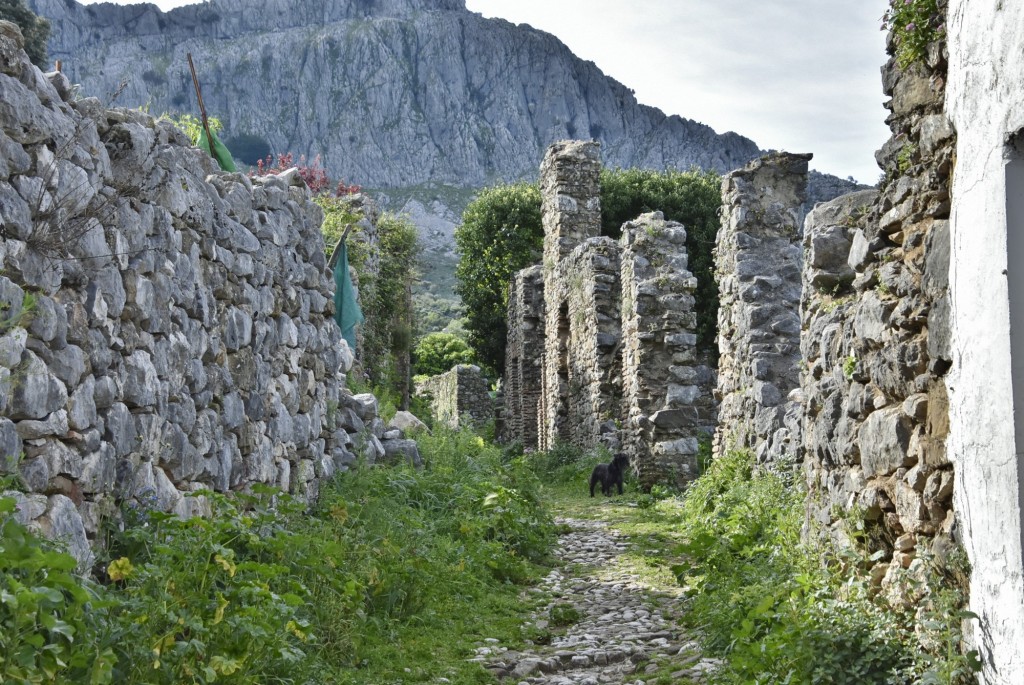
(627, 632)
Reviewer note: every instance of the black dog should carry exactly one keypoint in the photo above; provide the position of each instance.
(609, 474)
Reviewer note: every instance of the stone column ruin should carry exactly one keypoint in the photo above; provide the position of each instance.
(571, 211)
(758, 266)
(659, 378)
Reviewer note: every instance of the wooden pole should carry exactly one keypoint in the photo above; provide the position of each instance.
(202, 107)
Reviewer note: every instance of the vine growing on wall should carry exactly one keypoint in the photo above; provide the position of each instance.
(915, 24)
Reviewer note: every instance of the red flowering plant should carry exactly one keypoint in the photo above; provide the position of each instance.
(313, 173)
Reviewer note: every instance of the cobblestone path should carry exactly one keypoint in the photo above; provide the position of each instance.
(622, 631)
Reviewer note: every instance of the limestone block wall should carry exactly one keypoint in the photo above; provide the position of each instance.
(524, 357)
(661, 382)
(876, 343)
(458, 395)
(571, 214)
(581, 363)
(758, 265)
(164, 327)
(985, 101)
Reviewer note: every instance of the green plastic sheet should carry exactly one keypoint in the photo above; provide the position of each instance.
(218, 152)
(346, 308)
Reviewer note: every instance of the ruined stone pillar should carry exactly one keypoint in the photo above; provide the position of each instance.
(571, 211)
(758, 266)
(524, 357)
(659, 372)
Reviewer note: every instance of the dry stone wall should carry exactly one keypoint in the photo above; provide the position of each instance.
(659, 368)
(459, 397)
(524, 358)
(164, 327)
(758, 265)
(586, 367)
(876, 342)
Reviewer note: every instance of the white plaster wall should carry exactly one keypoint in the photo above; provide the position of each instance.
(985, 100)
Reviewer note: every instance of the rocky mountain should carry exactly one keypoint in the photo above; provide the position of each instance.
(421, 101)
(391, 93)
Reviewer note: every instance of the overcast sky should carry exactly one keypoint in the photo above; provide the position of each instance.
(796, 75)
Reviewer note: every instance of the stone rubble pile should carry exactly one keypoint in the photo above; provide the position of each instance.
(626, 632)
(164, 327)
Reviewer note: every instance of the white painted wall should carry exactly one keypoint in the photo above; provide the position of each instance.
(985, 100)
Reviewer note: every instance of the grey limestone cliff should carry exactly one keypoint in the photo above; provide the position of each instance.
(391, 93)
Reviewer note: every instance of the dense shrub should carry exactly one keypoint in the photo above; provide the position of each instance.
(915, 24)
(692, 198)
(437, 353)
(49, 616)
(767, 605)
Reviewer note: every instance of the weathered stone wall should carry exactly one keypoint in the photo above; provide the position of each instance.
(758, 266)
(458, 395)
(586, 369)
(659, 374)
(985, 101)
(875, 316)
(524, 357)
(571, 214)
(164, 327)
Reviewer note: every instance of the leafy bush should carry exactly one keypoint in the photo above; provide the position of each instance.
(692, 198)
(192, 126)
(386, 300)
(437, 353)
(765, 603)
(212, 599)
(48, 615)
(500, 234)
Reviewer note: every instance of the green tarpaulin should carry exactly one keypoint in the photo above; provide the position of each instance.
(346, 309)
(219, 152)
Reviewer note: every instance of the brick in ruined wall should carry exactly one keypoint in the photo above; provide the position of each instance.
(758, 262)
(524, 357)
(659, 363)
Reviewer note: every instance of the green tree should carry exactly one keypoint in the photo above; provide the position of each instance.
(386, 301)
(692, 198)
(500, 234)
(36, 29)
(437, 353)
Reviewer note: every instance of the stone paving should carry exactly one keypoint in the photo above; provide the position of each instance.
(626, 631)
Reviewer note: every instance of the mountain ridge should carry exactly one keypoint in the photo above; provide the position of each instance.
(390, 93)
